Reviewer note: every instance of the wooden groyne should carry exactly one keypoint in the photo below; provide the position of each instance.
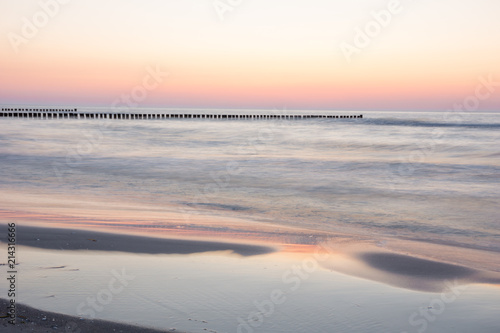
(75, 114)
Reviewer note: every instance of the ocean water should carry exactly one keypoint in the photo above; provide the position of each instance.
(433, 177)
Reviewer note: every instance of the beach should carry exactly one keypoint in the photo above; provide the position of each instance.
(230, 166)
(315, 227)
(39, 321)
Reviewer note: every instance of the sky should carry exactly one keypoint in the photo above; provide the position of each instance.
(294, 54)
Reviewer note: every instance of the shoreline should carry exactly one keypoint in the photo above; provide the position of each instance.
(30, 319)
(401, 273)
(411, 265)
(125, 241)
(77, 239)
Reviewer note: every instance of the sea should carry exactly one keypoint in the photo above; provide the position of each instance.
(429, 176)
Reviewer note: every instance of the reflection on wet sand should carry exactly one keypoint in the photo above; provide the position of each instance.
(405, 264)
(67, 239)
(416, 267)
(406, 271)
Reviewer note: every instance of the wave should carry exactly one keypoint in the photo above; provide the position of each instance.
(426, 123)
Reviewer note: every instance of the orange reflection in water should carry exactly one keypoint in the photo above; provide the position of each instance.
(396, 262)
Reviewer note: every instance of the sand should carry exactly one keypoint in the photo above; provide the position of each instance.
(197, 292)
(30, 319)
(69, 239)
(33, 320)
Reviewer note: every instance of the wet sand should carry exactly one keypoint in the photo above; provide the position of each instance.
(406, 270)
(69, 239)
(360, 259)
(170, 291)
(34, 320)
(406, 265)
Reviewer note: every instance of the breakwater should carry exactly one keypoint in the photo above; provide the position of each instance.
(43, 113)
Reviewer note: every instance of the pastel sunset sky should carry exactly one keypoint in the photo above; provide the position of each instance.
(298, 54)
